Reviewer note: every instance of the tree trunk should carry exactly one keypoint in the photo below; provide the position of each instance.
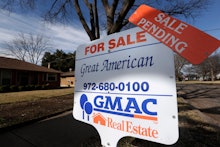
(83, 21)
(116, 25)
(212, 74)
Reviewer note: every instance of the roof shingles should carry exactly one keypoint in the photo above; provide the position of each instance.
(9, 63)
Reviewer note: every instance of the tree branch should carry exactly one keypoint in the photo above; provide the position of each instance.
(83, 21)
(122, 14)
(97, 30)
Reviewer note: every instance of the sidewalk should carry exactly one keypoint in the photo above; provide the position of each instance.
(60, 131)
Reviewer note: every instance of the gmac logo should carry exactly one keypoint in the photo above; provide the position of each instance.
(86, 106)
(128, 108)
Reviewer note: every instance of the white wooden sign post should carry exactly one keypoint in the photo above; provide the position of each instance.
(125, 86)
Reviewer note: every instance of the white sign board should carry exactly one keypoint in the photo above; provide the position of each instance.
(125, 86)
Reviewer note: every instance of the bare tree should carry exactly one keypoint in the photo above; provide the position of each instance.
(179, 62)
(28, 47)
(90, 12)
(209, 68)
(116, 12)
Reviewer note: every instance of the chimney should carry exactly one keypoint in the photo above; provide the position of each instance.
(48, 65)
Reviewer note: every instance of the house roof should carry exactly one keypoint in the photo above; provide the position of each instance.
(68, 74)
(9, 63)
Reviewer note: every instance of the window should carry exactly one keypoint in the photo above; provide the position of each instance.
(6, 77)
(51, 77)
(23, 78)
(44, 77)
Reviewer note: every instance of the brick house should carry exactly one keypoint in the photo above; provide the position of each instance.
(20, 73)
(67, 79)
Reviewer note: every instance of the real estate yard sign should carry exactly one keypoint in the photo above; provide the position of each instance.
(125, 86)
(189, 42)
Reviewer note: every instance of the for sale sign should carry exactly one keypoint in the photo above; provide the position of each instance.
(125, 86)
(186, 40)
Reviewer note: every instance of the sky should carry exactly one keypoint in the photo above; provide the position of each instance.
(64, 37)
(68, 37)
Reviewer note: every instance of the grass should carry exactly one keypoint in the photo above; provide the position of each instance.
(32, 95)
(198, 82)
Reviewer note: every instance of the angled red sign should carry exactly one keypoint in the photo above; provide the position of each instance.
(186, 40)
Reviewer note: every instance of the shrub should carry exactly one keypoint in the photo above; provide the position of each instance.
(1, 89)
(21, 88)
(5, 88)
(31, 87)
(27, 87)
(13, 88)
(38, 87)
(45, 87)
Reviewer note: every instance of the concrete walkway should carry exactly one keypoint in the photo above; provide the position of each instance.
(60, 131)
